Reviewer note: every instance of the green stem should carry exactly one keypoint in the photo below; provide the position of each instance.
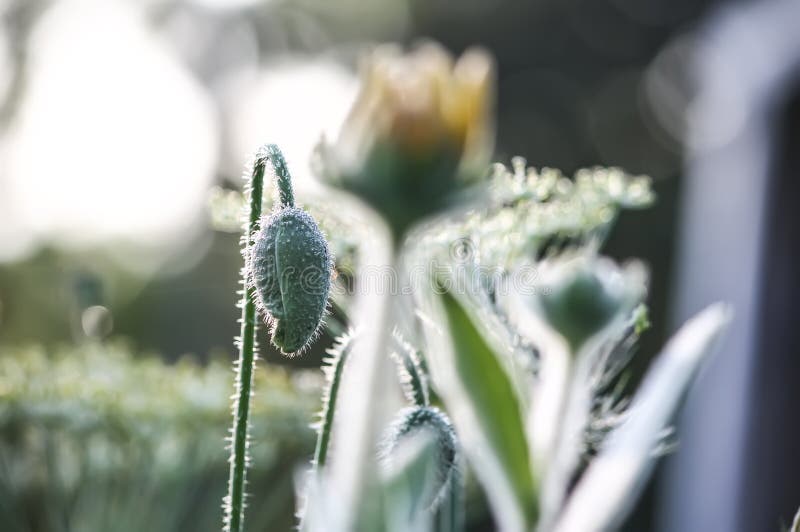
(363, 407)
(412, 375)
(282, 176)
(234, 501)
(450, 514)
(334, 373)
(420, 393)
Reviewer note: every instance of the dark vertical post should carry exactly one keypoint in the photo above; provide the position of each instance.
(737, 470)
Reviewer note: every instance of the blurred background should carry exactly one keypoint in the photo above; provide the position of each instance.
(118, 117)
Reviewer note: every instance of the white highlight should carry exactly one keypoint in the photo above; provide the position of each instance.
(114, 137)
(291, 102)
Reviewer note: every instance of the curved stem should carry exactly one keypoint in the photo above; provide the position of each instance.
(234, 501)
(282, 176)
(415, 380)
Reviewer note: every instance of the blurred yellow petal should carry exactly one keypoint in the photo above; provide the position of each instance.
(421, 124)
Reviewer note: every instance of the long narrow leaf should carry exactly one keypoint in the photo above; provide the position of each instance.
(486, 411)
(613, 480)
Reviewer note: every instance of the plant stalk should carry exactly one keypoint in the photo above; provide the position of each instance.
(363, 394)
(338, 361)
(282, 176)
(234, 501)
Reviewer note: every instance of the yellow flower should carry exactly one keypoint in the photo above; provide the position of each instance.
(422, 100)
(421, 127)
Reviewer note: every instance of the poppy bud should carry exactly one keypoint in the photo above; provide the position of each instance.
(409, 423)
(290, 269)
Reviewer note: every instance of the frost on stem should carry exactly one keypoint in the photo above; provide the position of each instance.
(333, 366)
(412, 374)
(233, 503)
(280, 170)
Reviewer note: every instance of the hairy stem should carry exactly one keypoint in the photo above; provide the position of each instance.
(333, 371)
(282, 176)
(234, 501)
(412, 374)
(415, 380)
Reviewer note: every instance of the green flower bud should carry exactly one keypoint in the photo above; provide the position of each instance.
(581, 296)
(290, 269)
(410, 422)
(420, 129)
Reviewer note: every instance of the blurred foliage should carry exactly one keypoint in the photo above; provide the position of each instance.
(92, 438)
(572, 92)
(532, 212)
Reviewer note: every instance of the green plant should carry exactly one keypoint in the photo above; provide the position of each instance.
(99, 438)
(289, 265)
(287, 276)
(511, 348)
(334, 366)
(234, 500)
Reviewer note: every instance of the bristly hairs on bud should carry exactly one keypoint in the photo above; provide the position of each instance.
(411, 371)
(609, 383)
(413, 374)
(408, 422)
(290, 267)
(233, 503)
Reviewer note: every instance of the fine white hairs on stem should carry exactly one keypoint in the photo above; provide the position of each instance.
(290, 266)
(234, 501)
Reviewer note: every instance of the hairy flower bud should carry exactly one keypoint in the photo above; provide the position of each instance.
(290, 268)
(410, 422)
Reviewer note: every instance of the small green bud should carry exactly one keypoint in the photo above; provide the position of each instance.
(290, 268)
(409, 423)
(581, 296)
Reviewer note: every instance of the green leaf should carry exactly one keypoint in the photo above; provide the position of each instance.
(487, 414)
(614, 479)
(796, 522)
